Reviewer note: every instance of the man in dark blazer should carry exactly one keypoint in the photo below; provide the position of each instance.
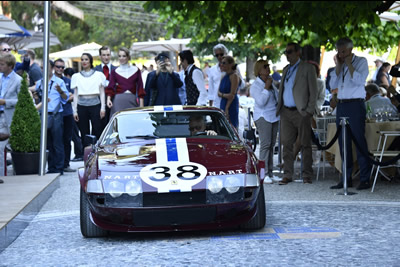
(106, 68)
(162, 85)
(296, 105)
(10, 84)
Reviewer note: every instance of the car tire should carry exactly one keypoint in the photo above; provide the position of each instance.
(88, 228)
(259, 219)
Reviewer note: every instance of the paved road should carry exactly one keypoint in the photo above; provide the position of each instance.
(304, 228)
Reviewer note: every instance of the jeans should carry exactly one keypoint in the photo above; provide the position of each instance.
(55, 145)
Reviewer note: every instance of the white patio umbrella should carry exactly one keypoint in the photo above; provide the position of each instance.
(8, 25)
(76, 51)
(175, 45)
(36, 41)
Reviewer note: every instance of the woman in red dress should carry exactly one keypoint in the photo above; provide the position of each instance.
(126, 85)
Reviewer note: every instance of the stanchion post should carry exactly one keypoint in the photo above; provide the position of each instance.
(344, 159)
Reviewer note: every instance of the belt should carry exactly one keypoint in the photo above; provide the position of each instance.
(291, 108)
(50, 113)
(351, 100)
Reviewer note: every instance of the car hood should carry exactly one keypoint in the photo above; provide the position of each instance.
(215, 155)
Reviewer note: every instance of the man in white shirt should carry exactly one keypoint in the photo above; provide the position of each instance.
(215, 75)
(349, 77)
(196, 93)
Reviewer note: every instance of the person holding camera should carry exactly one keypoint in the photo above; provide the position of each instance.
(58, 96)
(162, 85)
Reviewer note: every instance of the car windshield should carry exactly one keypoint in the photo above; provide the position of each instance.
(132, 126)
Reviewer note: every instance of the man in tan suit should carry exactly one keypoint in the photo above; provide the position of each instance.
(296, 105)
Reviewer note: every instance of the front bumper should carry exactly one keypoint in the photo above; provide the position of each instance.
(172, 211)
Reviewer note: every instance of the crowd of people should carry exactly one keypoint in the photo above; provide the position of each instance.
(82, 103)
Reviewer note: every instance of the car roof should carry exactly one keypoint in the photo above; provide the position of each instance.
(168, 108)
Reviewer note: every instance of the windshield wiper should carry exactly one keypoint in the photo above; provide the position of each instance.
(149, 136)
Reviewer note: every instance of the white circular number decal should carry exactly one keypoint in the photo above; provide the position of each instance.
(173, 176)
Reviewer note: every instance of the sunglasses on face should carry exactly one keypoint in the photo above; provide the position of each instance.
(219, 55)
(59, 67)
(7, 49)
(288, 52)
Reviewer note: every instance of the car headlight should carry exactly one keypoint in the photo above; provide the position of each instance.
(94, 186)
(232, 184)
(133, 188)
(214, 184)
(115, 189)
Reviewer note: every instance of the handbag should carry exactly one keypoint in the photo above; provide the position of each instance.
(4, 129)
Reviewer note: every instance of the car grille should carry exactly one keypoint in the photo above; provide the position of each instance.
(174, 199)
(174, 216)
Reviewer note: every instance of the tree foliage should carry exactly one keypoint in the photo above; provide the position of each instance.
(112, 23)
(273, 24)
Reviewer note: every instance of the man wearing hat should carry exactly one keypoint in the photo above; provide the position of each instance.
(162, 85)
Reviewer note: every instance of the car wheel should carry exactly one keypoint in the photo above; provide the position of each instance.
(258, 220)
(88, 228)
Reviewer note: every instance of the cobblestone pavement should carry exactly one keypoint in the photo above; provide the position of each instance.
(307, 225)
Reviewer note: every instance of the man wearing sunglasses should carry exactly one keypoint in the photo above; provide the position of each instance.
(6, 49)
(215, 74)
(349, 77)
(296, 105)
(68, 117)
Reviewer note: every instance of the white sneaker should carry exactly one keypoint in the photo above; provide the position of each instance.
(276, 179)
(267, 180)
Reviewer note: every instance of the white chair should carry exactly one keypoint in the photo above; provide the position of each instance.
(382, 152)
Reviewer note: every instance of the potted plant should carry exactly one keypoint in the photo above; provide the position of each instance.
(25, 133)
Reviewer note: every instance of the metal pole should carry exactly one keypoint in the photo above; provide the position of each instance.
(344, 163)
(344, 159)
(43, 135)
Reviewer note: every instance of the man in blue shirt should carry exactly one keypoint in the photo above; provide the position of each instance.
(68, 117)
(57, 97)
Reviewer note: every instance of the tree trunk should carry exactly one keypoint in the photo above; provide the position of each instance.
(311, 53)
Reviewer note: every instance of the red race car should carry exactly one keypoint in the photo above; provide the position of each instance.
(169, 168)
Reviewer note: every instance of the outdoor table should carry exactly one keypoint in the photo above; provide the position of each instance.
(371, 135)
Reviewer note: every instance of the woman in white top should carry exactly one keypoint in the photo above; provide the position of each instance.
(126, 85)
(265, 95)
(88, 104)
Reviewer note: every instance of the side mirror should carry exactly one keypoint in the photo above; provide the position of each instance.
(91, 139)
(248, 134)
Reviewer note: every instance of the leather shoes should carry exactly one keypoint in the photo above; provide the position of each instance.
(363, 185)
(1, 181)
(340, 185)
(285, 181)
(307, 180)
(69, 169)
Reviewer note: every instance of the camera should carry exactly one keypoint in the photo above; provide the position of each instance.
(161, 59)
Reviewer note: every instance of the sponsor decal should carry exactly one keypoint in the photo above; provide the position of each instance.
(168, 108)
(173, 171)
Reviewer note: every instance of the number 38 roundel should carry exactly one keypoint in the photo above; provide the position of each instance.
(173, 176)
